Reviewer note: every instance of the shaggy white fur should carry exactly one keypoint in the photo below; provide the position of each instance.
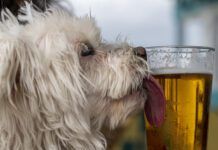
(54, 98)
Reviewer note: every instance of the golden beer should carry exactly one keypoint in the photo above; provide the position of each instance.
(187, 108)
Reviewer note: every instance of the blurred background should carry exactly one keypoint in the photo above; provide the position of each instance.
(160, 22)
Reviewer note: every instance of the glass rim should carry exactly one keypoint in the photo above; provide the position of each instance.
(161, 49)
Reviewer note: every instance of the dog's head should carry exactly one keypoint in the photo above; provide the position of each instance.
(113, 76)
(65, 80)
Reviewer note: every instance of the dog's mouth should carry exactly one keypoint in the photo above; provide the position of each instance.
(152, 93)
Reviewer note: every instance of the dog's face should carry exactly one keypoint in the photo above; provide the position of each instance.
(61, 82)
(114, 76)
(111, 74)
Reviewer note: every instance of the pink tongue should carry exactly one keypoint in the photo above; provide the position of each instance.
(155, 105)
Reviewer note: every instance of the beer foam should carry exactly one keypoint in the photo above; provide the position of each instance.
(180, 71)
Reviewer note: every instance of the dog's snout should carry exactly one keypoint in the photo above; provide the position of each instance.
(141, 52)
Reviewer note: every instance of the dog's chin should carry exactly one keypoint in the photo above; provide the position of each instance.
(139, 94)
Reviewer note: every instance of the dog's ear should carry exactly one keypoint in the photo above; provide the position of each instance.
(17, 59)
(18, 66)
(12, 5)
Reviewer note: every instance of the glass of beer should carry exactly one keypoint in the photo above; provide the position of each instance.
(185, 74)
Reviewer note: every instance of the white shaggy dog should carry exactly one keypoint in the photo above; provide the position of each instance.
(59, 82)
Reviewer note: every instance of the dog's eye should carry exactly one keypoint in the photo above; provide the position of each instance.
(87, 50)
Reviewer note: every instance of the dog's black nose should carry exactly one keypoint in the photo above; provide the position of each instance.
(141, 52)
